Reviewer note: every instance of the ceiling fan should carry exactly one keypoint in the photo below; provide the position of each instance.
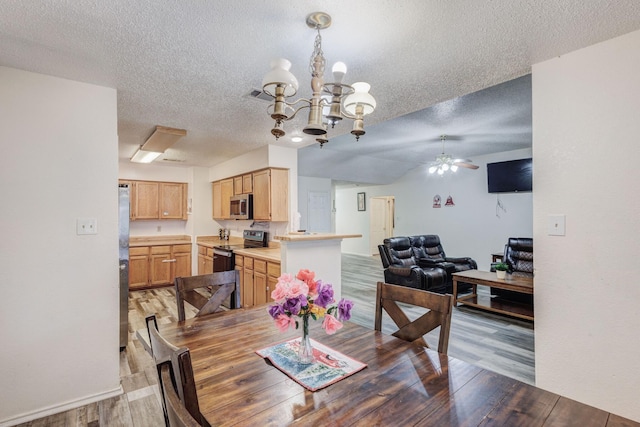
(445, 162)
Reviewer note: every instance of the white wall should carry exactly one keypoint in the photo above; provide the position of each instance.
(59, 306)
(585, 125)
(474, 227)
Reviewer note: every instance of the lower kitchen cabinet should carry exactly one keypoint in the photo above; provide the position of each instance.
(258, 279)
(205, 260)
(158, 265)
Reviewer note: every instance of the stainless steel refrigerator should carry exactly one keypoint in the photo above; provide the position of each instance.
(123, 234)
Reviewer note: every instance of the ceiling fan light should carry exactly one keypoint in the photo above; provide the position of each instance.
(445, 167)
(280, 75)
(440, 171)
(432, 169)
(454, 168)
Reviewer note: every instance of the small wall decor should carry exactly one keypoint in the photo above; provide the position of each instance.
(361, 202)
(436, 201)
(449, 201)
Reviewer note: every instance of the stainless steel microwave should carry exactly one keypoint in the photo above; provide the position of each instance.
(241, 207)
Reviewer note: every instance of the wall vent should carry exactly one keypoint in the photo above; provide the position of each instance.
(258, 94)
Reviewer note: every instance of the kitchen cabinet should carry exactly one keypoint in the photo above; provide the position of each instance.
(158, 265)
(243, 184)
(237, 185)
(153, 200)
(247, 183)
(205, 260)
(270, 189)
(173, 200)
(258, 279)
(217, 200)
(271, 195)
(222, 193)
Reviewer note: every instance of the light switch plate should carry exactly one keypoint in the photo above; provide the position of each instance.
(555, 225)
(86, 226)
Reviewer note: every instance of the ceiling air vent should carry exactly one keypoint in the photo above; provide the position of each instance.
(258, 94)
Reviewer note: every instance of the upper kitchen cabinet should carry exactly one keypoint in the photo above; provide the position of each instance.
(151, 200)
(271, 195)
(173, 200)
(270, 189)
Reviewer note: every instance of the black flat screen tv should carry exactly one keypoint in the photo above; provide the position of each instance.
(511, 176)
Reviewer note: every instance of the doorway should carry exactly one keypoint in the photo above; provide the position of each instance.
(382, 221)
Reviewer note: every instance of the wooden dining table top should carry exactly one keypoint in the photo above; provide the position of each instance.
(403, 384)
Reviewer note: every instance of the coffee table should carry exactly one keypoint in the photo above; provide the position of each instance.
(498, 305)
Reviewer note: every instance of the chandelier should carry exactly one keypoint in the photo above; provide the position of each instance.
(341, 100)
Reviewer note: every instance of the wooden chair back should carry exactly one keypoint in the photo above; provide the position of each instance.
(439, 314)
(196, 290)
(177, 413)
(164, 352)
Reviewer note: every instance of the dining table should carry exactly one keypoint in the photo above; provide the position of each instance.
(403, 384)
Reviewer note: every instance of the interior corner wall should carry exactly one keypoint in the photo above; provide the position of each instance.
(59, 311)
(586, 127)
(477, 225)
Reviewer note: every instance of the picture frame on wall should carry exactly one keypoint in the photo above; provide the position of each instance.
(361, 202)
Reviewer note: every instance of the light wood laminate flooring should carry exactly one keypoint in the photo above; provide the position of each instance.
(498, 343)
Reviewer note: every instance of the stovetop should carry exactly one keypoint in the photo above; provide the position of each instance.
(228, 247)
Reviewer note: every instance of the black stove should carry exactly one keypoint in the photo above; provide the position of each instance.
(252, 239)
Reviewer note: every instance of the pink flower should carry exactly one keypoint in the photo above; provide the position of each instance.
(305, 275)
(279, 293)
(331, 324)
(283, 322)
(297, 289)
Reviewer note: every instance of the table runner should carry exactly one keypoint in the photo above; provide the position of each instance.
(330, 365)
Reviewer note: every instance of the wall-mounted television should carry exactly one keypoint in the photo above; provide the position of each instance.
(511, 176)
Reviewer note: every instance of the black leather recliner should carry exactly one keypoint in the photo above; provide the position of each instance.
(518, 255)
(429, 252)
(401, 267)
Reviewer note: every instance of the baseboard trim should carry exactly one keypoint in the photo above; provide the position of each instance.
(55, 409)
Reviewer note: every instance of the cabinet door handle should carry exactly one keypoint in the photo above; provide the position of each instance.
(168, 260)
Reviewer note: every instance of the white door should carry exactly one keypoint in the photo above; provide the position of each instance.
(319, 212)
(381, 221)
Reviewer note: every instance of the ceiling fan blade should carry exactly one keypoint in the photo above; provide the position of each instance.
(465, 164)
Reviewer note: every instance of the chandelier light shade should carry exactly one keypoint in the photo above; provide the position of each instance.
(343, 101)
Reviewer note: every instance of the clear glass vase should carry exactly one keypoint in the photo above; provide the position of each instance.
(305, 352)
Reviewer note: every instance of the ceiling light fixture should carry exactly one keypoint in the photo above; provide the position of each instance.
(161, 139)
(444, 162)
(352, 102)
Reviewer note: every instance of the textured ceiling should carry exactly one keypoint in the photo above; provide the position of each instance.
(190, 65)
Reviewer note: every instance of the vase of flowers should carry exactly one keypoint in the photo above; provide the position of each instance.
(302, 297)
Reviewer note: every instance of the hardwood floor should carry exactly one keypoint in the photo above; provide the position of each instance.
(494, 342)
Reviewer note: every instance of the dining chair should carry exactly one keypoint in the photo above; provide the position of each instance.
(163, 353)
(177, 413)
(439, 314)
(195, 290)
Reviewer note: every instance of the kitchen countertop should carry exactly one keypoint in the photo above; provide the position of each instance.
(139, 241)
(267, 254)
(211, 241)
(296, 237)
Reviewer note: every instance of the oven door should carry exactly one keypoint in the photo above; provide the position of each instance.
(222, 260)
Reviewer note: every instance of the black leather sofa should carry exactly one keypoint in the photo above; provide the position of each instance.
(420, 262)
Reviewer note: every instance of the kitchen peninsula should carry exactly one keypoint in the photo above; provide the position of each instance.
(318, 252)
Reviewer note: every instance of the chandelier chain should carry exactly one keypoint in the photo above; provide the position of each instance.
(317, 55)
